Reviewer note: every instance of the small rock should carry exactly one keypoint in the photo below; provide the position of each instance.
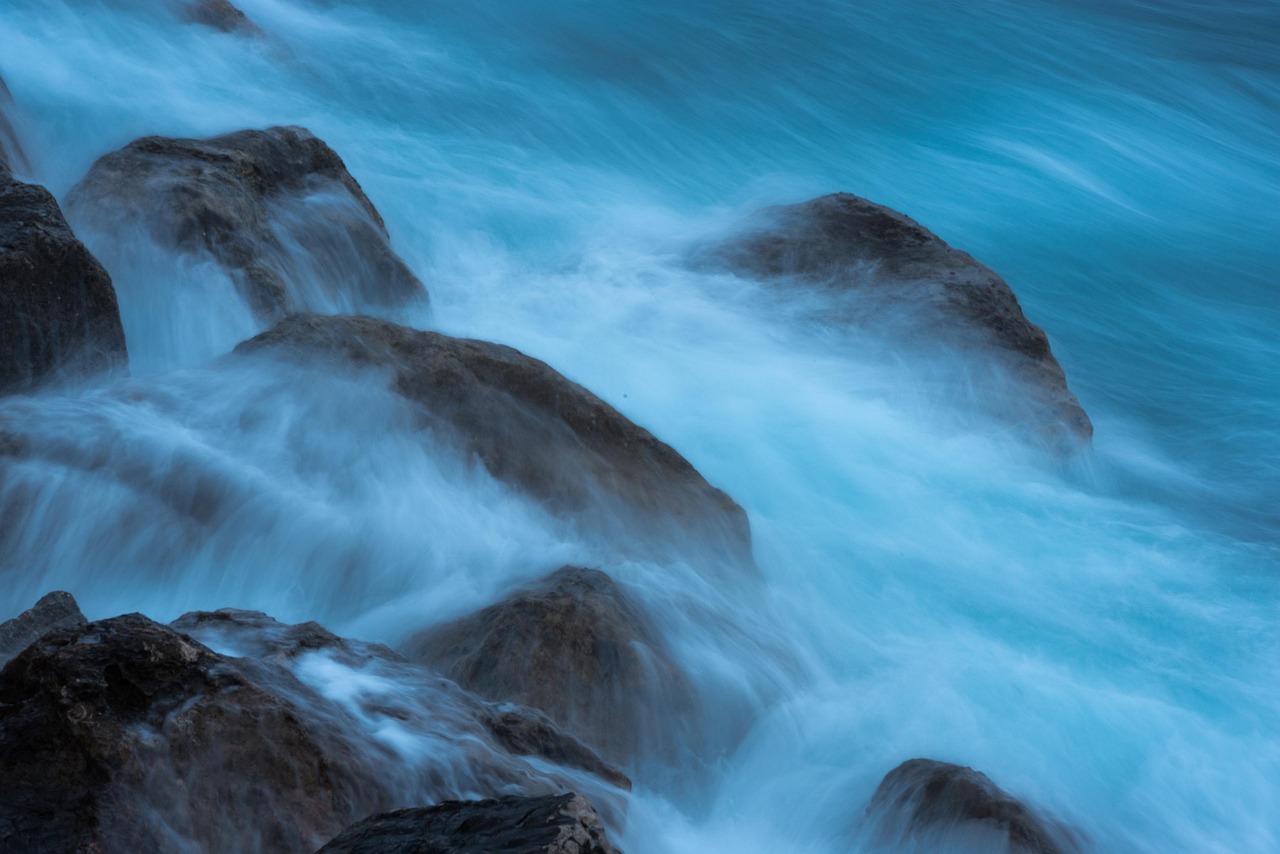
(221, 15)
(556, 824)
(56, 610)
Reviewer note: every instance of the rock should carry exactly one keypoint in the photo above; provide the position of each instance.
(533, 428)
(58, 311)
(11, 156)
(56, 610)
(936, 803)
(556, 824)
(276, 208)
(576, 647)
(220, 15)
(903, 274)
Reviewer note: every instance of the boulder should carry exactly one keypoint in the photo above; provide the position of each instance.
(909, 282)
(58, 311)
(937, 803)
(56, 610)
(530, 427)
(276, 208)
(220, 15)
(127, 735)
(576, 647)
(556, 824)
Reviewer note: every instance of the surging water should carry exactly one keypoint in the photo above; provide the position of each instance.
(1099, 637)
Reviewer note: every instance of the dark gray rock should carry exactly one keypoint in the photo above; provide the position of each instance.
(531, 427)
(576, 647)
(276, 208)
(58, 313)
(904, 275)
(556, 824)
(937, 804)
(11, 155)
(56, 610)
(220, 15)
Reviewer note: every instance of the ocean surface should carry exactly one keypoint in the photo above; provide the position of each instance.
(1100, 635)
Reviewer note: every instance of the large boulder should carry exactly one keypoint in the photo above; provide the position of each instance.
(58, 311)
(939, 806)
(276, 208)
(531, 427)
(577, 647)
(127, 735)
(909, 283)
(555, 824)
(56, 610)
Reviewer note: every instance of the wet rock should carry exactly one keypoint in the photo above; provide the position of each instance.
(557, 824)
(124, 735)
(276, 208)
(11, 155)
(937, 803)
(58, 313)
(576, 647)
(56, 610)
(531, 427)
(220, 15)
(909, 282)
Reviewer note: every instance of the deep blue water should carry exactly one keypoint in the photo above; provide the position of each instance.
(1099, 636)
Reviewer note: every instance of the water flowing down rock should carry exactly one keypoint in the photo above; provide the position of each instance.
(533, 428)
(56, 610)
(910, 284)
(276, 208)
(576, 647)
(937, 804)
(556, 824)
(127, 735)
(220, 15)
(11, 155)
(58, 313)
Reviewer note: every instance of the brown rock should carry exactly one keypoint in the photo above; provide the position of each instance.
(241, 199)
(905, 275)
(556, 824)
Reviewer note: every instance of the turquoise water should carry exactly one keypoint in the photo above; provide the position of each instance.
(1099, 636)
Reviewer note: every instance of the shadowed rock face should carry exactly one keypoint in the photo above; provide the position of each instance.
(557, 824)
(58, 311)
(574, 646)
(939, 803)
(902, 270)
(531, 427)
(56, 610)
(276, 208)
(11, 156)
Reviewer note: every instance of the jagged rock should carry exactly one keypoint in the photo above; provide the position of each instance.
(936, 803)
(124, 735)
(574, 646)
(11, 155)
(521, 731)
(220, 15)
(56, 610)
(905, 275)
(58, 311)
(276, 208)
(531, 427)
(557, 824)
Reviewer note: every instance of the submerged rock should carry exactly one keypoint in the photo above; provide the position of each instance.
(576, 647)
(937, 803)
(531, 427)
(556, 824)
(220, 15)
(58, 313)
(276, 208)
(909, 281)
(56, 610)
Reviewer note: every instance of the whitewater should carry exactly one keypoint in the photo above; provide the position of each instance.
(1099, 633)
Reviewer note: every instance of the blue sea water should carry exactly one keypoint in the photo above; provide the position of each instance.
(1101, 635)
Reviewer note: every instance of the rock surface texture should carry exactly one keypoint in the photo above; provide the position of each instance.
(557, 824)
(905, 275)
(56, 610)
(58, 311)
(531, 427)
(276, 208)
(936, 803)
(574, 646)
